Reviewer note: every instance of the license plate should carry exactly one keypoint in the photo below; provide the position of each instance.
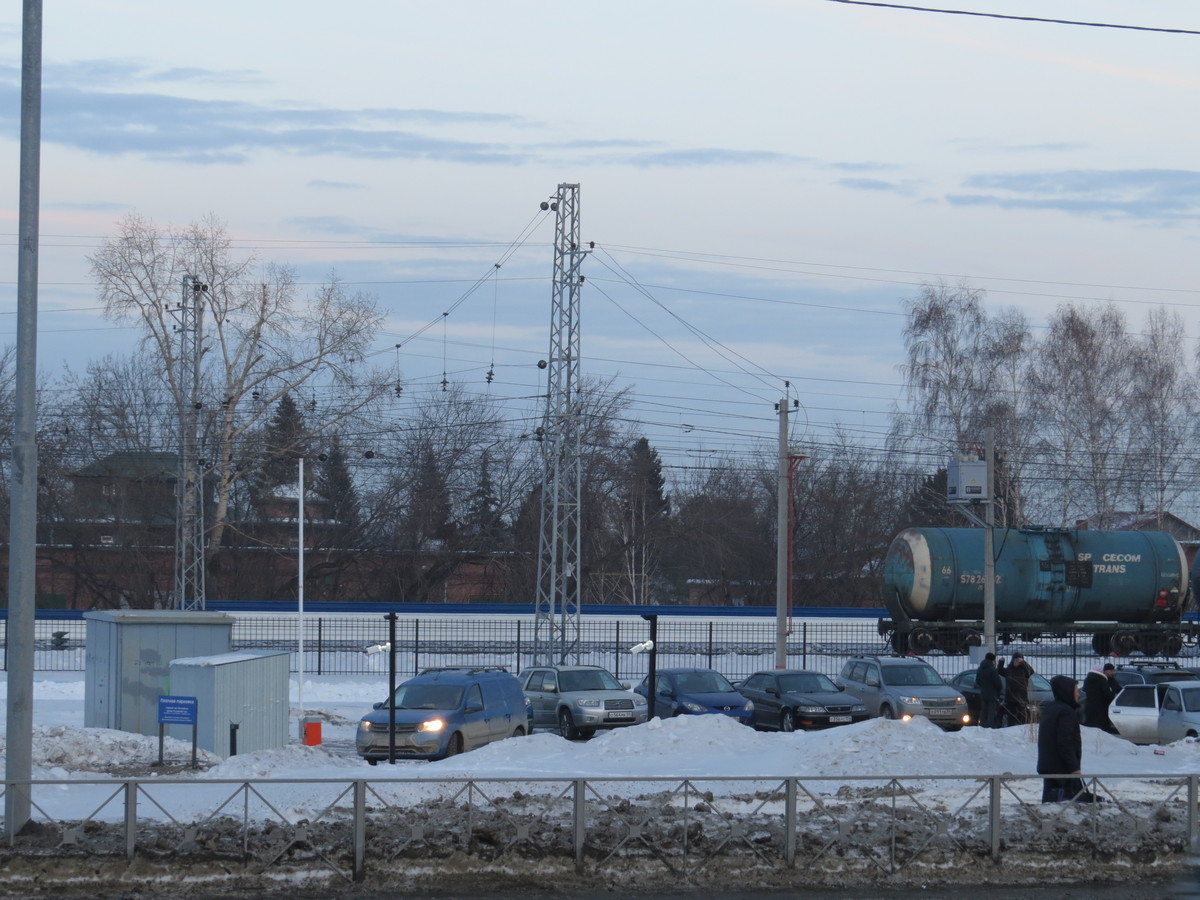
(837, 720)
(940, 713)
(620, 715)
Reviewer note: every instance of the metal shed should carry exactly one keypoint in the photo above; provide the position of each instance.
(241, 698)
(128, 656)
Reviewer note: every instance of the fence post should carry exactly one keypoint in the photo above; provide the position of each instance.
(710, 645)
(994, 815)
(804, 645)
(131, 797)
(1193, 799)
(791, 787)
(617, 652)
(579, 823)
(320, 622)
(416, 646)
(360, 830)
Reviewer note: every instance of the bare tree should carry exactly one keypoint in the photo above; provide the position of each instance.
(259, 340)
(1083, 389)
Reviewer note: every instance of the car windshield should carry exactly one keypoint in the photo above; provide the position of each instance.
(703, 683)
(428, 696)
(589, 680)
(808, 683)
(911, 675)
(1039, 683)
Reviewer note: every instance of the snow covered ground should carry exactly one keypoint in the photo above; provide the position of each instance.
(699, 747)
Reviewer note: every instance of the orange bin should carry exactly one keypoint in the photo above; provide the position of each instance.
(311, 732)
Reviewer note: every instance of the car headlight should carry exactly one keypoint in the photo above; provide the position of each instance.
(691, 706)
(959, 700)
(589, 703)
(432, 725)
(810, 710)
(749, 706)
(914, 701)
(855, 709)
(364, 725)
(639, 701)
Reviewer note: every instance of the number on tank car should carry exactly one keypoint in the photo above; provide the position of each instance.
(972, 578)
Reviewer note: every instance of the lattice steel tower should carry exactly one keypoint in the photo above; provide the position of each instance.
(189, 494)
(556, 610)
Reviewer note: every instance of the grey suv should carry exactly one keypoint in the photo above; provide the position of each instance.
(579, 699)
(902, 687)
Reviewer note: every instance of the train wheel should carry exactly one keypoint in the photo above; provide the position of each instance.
(1101, 643)
(1150, 643)
(921, 641)
(1172, 645)
(970, 639)
(1123, 643)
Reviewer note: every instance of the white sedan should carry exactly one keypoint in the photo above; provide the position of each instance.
(1157, 713)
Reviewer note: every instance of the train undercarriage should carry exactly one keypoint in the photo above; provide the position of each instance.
(1106, 638)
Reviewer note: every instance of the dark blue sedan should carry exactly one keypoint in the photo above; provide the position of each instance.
(696, 692)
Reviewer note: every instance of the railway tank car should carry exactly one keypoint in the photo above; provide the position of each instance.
(1127, 589)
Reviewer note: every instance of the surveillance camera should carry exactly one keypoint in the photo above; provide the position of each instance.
(378, 648)
(644, 647)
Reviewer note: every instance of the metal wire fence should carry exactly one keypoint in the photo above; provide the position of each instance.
(338, 644)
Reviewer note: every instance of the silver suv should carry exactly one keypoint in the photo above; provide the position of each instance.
(579, 699)
(902, 687)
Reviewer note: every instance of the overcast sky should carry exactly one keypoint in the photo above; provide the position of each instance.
(773, 176)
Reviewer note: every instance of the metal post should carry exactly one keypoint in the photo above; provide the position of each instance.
(131, 798)
(994, 816)
(652, 668)
(391, 620)
(580, 829)
(359, 872)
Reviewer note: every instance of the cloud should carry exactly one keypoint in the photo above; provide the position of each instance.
(322, 184)
(707, 156)
(1166, 196)
(875, 184)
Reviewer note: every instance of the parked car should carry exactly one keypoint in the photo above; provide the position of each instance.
(695, 692)
(1157, 713)
(1152, 672)
(1040, 692)
(579, 699)
(797, 699)
(442, 712)
(900, 687)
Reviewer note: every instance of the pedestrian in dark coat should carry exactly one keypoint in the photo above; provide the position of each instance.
(990, 685)
(1100, 694)
(1060, 745)
(1016, 688)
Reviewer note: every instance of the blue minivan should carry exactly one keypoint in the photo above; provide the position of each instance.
(443, 712)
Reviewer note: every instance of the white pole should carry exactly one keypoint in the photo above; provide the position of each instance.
(300, 593)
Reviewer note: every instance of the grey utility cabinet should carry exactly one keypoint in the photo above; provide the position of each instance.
(241, 697)
(128, 657)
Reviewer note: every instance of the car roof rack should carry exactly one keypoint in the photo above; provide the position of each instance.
(1151, 664)
(465, 670)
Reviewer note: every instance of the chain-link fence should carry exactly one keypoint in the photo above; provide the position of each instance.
(339, 644)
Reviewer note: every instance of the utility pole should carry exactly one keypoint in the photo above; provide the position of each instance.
(989, 553)
(22, 518)
(783, 552)
(559, 580)
(189, 485)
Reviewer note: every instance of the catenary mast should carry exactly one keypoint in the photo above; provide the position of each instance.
(557, 605)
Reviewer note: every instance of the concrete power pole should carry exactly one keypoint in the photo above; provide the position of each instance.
(189, 486)
(22, 518)
(559, 581)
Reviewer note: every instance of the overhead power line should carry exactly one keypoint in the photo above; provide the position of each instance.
(988, 15)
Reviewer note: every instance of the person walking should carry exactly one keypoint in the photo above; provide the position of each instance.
(1099, 696)
(990, 685)
(1016, 688)
(1060, 744)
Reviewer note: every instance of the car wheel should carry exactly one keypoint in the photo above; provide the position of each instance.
(455, 745)
(372, 762)
(519, 731)
(787, 720)
(566, 725)
(586, 733)
(887, 712)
